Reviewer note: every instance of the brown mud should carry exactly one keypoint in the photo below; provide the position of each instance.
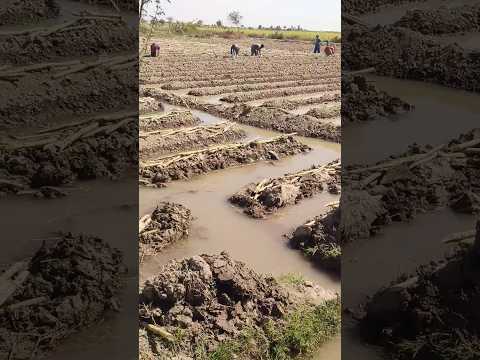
(85, 36)
(291, 104)
(406, 54)
(257, 87)
(263, 94)
(27, 11)
(162, 142)
(319, 239)
(149, 105)
(70, 283)
(362, 101)
(442, 20)
(422, 179)
(168, 223)
(269, 195)
(276, 119)
(213, 299)
(185, 165)
(441, 300)
(355, 7)
(40, 98)
(129, 5)
(169, 120)
(103, 146)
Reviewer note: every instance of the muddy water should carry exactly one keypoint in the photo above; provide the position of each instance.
(218, 226)
(440, 114)
(81, 212)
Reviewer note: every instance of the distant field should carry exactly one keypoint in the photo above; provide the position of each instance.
(229, 32)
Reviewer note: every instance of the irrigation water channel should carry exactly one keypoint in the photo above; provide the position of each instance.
(218, 226)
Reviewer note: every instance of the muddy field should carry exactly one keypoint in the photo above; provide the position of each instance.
(221, 117)
(408, 180)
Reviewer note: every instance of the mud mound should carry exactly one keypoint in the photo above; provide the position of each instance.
(185, 165)
(92, 148)
(422, 179)
(325, 112)
(406, 54)
(257, 95)
(443, 20)
(27, 11)
(291, 104)
(212, 301)
(67, 285)
(319, 239)
(280, 120)
(363, 101)
(83, 89)
(433, 315)
(77, 38)
(149, 104)
(369, 6)
(269, 195)
(169, 141)
(169, 120)
(167, 224)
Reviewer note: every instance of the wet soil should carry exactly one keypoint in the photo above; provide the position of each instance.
(361, 6)
(319, 239)
(406, 54)
(441, 300)
(362, 101)
(99, 147)
(213, 299)
(27, 11)
(155, 143)
(186, 165)
(443, 20)
(85, 36)
(149, 105)
(68, 284)
(270, 195)
(168, 120)
(280, 120)
(291, 104)
(424, 178)
(168, 223)
(40, 99)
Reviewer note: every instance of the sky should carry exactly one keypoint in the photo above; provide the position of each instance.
(310, 14)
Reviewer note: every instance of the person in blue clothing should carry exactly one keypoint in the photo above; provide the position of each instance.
(318, 45)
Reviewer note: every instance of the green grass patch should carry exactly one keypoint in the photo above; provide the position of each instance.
(291, 279)
(206, 31)
(301, 333)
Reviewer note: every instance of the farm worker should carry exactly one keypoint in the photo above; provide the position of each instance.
(318, 44)
(256, 49)
(154, 49)
(329, 50)
(234, 50)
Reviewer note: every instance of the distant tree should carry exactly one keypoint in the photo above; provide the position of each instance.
(260, 27)
(199, 23)
(143, 4)
(170, 19)
(235, 18)
(219, 23)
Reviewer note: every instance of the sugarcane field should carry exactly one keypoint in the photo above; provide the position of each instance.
(410, 200)
(239, 148)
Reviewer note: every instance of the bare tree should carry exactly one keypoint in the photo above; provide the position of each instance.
(235, 18)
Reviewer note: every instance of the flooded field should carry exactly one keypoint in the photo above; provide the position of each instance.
(216, 88)
(440, 114)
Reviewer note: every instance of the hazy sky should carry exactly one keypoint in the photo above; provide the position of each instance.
(310, 14)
